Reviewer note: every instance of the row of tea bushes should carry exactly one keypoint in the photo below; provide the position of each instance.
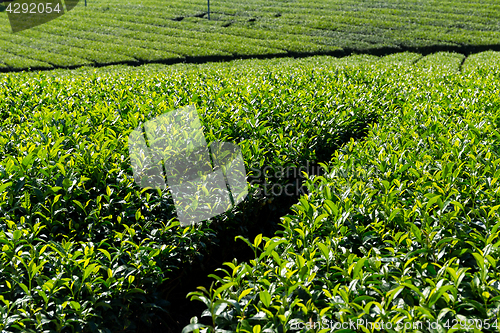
(136, 32)
(401, 231)
(83, 247)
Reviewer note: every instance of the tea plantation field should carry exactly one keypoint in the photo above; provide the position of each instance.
(137, 32)
(401, 233)
(401, 227)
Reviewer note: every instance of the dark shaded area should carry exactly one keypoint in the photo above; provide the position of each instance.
(356, 130)
(26, 14)
(70, 4)
(462, 63)
(377, 51)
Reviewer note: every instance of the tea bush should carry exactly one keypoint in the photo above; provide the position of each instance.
(403, 227)
(84, 249)
(137, 32)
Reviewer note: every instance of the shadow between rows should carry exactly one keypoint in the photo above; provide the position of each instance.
(376, 51)
(266, 218)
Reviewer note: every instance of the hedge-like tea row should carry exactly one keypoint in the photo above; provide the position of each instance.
(83, 247)
(401, 231)
(112, 31)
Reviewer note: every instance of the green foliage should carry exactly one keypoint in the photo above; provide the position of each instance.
(113, 31)
(401, 228)
(84, 248)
